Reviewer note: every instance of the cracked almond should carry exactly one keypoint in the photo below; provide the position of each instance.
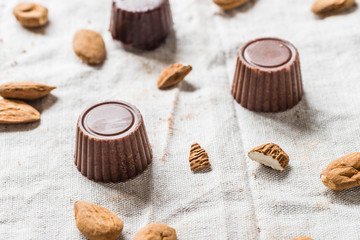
(15, 111)
(270, 155)
(342, 173)
(199, 158)
(96, 222)
(172, 75)
(25, 90)
(31, 14)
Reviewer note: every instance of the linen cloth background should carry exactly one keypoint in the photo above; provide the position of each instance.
(237, 199)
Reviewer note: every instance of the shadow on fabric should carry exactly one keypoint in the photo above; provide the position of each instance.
(302, 117)
(345, 197)
(165, 53)
(138, 190)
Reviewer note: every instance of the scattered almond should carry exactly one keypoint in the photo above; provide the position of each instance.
(270, 155)
(89, 46)
(15, 111)
(172, 75)
(303, 238)
(198, 159)
(328, 7)
(229, 4)
(156, 231)
(96, 222)
(342, 173)
(25, 90)
(31, 14)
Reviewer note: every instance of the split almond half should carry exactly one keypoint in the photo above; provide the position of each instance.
(14, 111)
(96, 222)
(199, 158)
(328, 7)
(270, 155)
(342, 173)
(25, 90)
(172, 75)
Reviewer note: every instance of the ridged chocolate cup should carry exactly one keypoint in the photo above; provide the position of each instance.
(268, 76)
(143, 24)
(111, 142)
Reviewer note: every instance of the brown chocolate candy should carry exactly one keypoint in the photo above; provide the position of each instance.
(268, 76)
(111, 142)
(143, 24)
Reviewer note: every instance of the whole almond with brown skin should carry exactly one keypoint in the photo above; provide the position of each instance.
(31, 14)
(15, 111)
(25, 90)
(270, 155)
(89, 46)
(156, 231)
(328, 7)
(96, 222)
(303, 238)
(342, 173)
(172, 75)
(229, 4)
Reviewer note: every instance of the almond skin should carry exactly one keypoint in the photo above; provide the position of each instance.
(172, 75)
(329, 7)
(15, 111)
(342, 173)
(25, 90)
(156, 231)
(96, 222)
(270, 155)
(31, 14)
(89, 46)
(199, 158)
(229, 4)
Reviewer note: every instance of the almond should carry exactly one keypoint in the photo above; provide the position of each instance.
(89, 46)
(25, 90)
(199, 158)
(15, 111)
(229, 4)
(96, 222)
(172, 75)
(31, 14)
(342, 173)
(156, 231)
(270, 155)
(328, 7)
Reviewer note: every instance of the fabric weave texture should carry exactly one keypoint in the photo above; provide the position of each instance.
(238, 199)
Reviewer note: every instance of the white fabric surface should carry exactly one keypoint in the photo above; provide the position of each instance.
(238, 199)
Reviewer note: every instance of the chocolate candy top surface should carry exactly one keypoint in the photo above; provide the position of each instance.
(268, 53)
(110, 119)
(138, 5)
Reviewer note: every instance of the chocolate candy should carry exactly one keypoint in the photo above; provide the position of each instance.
(111, 142)
(267, 76)
(143, 24)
